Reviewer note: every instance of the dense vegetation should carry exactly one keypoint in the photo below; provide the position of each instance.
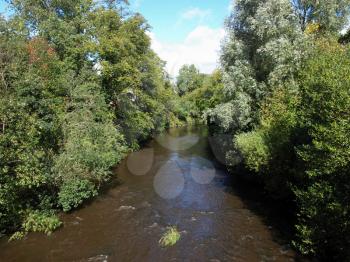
(80, 87)
(198, 92)
(286, 112)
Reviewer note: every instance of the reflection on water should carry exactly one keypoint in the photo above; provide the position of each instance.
(139, 163)
(169, 182)
(173, 181)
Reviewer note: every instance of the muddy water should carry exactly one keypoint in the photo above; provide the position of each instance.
(173, 181)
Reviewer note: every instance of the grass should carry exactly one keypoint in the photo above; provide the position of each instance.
(170, 237)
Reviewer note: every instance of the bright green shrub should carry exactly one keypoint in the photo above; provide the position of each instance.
(41, 221)
(74, 192)
(254, 150)
(38, 221)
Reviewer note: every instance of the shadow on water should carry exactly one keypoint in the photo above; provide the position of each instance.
(277, 215)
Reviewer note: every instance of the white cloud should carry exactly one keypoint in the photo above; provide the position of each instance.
(193, 13)
(196, 12)
(201, 47)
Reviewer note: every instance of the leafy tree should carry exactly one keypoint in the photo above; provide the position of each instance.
(325, 106)
(79, 85)
(208, 95)
(330, 15)
(286, 105)
(188, 79)
(255, 59)
(132, 75)
(92, 144)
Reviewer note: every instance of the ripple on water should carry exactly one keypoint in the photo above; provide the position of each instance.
(121, 208)
(98, 258)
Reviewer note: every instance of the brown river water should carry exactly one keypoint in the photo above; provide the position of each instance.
(174, 181)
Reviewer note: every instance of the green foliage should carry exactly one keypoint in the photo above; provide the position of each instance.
(132, 75)
(74, 192)
(202, 93)
(17, 236)
(38, 221)
(79, 87)
(269, 149)
(92, 143)
(208, 95)
(170, 237)
(325, 115)
(331, 15)
(23, 164)
(254, 149)
(302, 147)
(286, 104)
(256, 59)
(188, 80)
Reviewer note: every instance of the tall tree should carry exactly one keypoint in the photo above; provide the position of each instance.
(255, 58)
(330, 15)
(188, 79)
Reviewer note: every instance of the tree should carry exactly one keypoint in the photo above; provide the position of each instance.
(286, 105)
(92, 144)
(79, 86)
(188, 79)
(256, 58)
(330, 15)
(325, 116)
(208, 95)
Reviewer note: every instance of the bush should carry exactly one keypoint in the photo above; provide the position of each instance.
(170, 237)
(41, 221)
(74, 192)
(38, 221)
(254, 149)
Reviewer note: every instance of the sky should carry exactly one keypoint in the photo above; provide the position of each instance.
(186, 31)
(2, 6)
(183, 31)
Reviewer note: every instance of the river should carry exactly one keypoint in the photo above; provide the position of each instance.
(173, 181)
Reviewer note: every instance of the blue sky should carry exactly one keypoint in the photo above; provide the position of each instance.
(186, 31)
(183, 31)
(2, 6)
(174, 20)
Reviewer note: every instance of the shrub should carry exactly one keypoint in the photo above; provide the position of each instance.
(38, 221)
(41, 221)
(170, 237)
(73, 193)
(254, 149)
